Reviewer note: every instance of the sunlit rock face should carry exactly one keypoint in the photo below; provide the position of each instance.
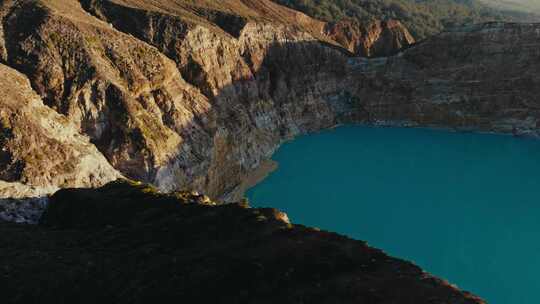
(176, 102)
(41, 149)
(373, 39)
(195, 95)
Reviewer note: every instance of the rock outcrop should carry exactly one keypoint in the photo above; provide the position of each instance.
(124, 243)
(374, 39)
(480, 77)
(42, 150)
(201, 121)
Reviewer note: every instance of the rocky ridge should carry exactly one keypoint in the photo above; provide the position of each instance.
(41, 152)
(195, 95)
(33, 135)
(475, 78)
(125, 243)
(374, 39)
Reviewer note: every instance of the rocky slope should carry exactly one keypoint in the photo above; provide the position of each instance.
(481, 77)
(124, 243)
(375, 39)
(40, 146)
(192, 95)
(41, 151)
(201, 120)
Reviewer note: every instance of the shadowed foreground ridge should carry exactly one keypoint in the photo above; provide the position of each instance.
(125, 243)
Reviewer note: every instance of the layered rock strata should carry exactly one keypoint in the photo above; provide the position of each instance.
(42, 150)
(480, 77)
(195, 95)
(373, 39)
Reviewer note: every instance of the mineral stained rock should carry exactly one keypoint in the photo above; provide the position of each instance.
(196, 94)
(125, 243)
(374, 39)
(42, 150)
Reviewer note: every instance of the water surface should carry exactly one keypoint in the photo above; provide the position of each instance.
(462, 206)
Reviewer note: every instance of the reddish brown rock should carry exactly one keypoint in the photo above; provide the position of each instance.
(196, 95)
(373, 39)
(41, 150)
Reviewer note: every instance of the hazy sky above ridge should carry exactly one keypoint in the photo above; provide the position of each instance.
(523, 5)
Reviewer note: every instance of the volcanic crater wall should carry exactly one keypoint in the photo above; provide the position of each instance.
(197, 95)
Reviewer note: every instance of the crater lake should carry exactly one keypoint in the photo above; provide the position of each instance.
(463, 206)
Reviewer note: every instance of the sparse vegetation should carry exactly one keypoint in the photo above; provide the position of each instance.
(55, 38)
(422, 17)
(93, 41)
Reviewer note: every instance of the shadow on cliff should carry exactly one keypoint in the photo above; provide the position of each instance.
(296, 88)
(26, 210)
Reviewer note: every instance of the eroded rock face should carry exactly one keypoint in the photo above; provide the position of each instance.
(125, 243)
(41, 150)
(375, 39)
(482, 77)
(241, 95)
(112, 86)
(195, 95)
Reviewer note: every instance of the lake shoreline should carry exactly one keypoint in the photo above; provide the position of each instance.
(252, 178)
(267, 166)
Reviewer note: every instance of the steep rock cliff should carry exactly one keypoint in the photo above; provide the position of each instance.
(241, 95)
(112, 86)
(41, 149)
(196, 95)
(480, 77)
(373, 39)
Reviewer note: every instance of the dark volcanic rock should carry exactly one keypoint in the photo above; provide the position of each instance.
(125, 243)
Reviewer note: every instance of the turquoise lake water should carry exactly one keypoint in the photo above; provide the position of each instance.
(463, 206)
